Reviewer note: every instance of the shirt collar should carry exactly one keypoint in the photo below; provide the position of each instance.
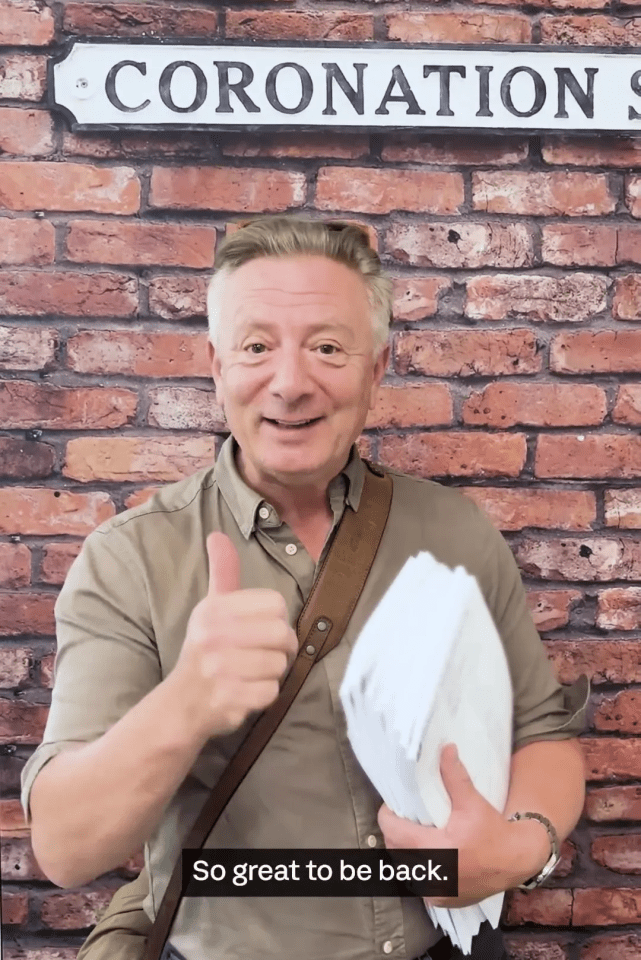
(244, 502)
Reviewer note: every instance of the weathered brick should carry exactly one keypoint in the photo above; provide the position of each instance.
(10, 770)
(131, 145)
(22, 723)
(590, 151)
(178, 298)
(56, 561)
(69, 186)
(550, 609)
(456, 149)
(623, 508)
(453, 28)
(141, 243)
(577, 297)
(628, 405)
(26, 613)
(542, 194)
(185, 408)
(626, 947)
(519, 948)
(591, 456)
(461, 245)
(605, 661)
(633, 195)
(32, 292)
(589, 559)
(25, 23)
(612, 758)
(41, 953)
(25, 459)
(74, 911)
(626, 304)
(35, 511)
(22, 77)
(416, 298)
(139, 20)
(579, 244)
(591, 30)
(249, 190)
(137, 458)
(15, 907)
(600, 351)
(455, 454)
(466, 353)
(12, 821)
(14, 667)
(140, 496)
(603, 907)
(536, 404)
(524, 507)
(629, 245)
(547, 907)
(371, 190)
(25, 133)
(15, 565)
(24, 403)
(613, 803)
(619, 713)
(139, 354)
(619, 608)
(47, 667)
(26, 348)
(299, 25)
(276, 144)
(409, 406)
(18, 861)
(26, 241)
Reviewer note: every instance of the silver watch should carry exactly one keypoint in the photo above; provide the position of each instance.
(555, 856)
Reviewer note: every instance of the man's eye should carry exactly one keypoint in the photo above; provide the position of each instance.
(250, 345)
(332, 345)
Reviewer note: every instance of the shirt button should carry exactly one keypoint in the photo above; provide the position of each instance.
(263, 513)
(291, 549)
(371, 840)
(387, 946)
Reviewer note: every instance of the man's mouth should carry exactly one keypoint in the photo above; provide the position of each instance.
(293, 424)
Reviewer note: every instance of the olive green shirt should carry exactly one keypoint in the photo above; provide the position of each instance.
(121, 619)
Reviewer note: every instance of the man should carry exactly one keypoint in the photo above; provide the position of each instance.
(175, 626)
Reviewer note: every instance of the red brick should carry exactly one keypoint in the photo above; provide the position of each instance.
(25, 23)
(25, 133)
(457, 149)
(308, 145)
(633, 195)
(628, 405)
(466, 353)
(15, 565)
(619, 608)
(25, 404)
(453, 28)
(178, 298)
(589, 559)
(47, 665)
(139, 354)
(605, 455)
(69, 186)
(411, 406)
(56, 561)
(97, 294)
(577, 297)
(611, 758)
(524, 507)
(129, 145)
(185, 408)
(613, 803)
(455, 454)
(605, 661)
(12, 821)
(18, 861)
(461, 245)
(141, 243)
(15, 907)
(25, 459)
(74, 911)
(26, 348)
(10, 771)
(369, 190)
(139, 20)
(579, 245)
(619, 713)
(626, 947)
(623, 508)
(542, 194)
(26, 241)
(590, 151)
(14, 668)
(600, 351)
(519, 948)
(597, 31)
(35, 511)
(627, 298)
(536, 404)
(140, 496)
(137, 458)
(303, 25)
(601, 907)
(22, 723)
(629, 248)
(547, 907)
(22, 77)
(550, 609)
(26, 613)
(41, 953)
(249, 190)
(416, 298)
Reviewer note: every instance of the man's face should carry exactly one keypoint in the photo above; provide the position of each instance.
(295, 344)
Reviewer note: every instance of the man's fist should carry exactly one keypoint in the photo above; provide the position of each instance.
(237, 647)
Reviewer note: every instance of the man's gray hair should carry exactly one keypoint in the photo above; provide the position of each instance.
(283, 236)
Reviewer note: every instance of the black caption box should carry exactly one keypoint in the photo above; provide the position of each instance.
(320, 873)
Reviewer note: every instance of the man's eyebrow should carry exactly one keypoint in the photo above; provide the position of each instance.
(313, 328)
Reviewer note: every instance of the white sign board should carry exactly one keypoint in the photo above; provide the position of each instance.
(153, 85)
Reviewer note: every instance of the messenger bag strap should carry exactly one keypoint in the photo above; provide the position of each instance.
(320, 626)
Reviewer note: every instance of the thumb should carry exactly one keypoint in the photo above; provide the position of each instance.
(456, 779)
(224, 564)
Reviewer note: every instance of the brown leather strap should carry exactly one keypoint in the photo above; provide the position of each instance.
(336, 589)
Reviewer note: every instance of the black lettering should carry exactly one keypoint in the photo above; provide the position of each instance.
(225, 87)
(484, 92)
(406, 95)
(167, 76)
(355, 97)
(110, 85)
(585, 99)
(635, 83)
(444, 74)
(539, 91)
(306, 85)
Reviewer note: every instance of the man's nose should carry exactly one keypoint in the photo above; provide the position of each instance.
(291, 378)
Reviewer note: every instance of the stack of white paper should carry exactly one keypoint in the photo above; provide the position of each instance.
(427, 669)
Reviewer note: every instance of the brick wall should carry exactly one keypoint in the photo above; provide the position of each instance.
(515, 376)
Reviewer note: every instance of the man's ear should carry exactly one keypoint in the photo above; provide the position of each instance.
(214, 366)
(380, 367)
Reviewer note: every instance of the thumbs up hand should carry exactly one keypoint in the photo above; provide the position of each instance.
(237, 647)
